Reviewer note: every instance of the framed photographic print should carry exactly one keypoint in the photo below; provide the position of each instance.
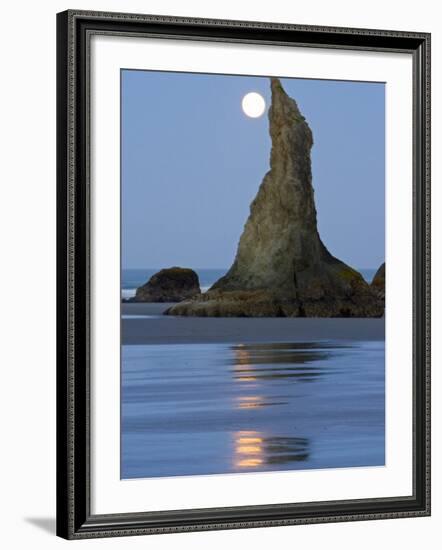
(243, 274)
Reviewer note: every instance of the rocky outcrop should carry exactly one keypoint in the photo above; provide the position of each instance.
(169, 285)
(378, 282)
(282, 267)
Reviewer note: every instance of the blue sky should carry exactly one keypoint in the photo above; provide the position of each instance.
(192, 162)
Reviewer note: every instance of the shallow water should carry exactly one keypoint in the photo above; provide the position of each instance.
(192, 409)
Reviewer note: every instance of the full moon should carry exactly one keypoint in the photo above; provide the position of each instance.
(253, 104)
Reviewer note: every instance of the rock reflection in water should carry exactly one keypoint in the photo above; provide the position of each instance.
(256, 402)
(257, 363)
(253, 450)
(194, 409)
(252, 362)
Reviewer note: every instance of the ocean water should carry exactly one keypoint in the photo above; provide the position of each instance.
(133, 278)
(193, 409)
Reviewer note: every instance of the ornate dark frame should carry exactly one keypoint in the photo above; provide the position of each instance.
(74, 519)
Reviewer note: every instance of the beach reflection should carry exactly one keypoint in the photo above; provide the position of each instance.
(249, 449)
(253, 362)
(252, 449)
(239, 408)
(254, 366)
(256, 402)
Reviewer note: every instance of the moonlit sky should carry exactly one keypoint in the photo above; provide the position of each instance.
(192, 162)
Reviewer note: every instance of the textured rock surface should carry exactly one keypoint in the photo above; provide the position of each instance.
(378, 282)
(169, 285)
(282, 268)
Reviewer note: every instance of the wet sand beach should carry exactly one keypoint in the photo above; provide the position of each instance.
(144, 323)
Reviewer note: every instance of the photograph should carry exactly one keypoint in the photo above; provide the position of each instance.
(252, 274)
(243, 274)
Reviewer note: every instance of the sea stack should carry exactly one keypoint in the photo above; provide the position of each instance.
(378, 282)
(169, 285)
(282, 268)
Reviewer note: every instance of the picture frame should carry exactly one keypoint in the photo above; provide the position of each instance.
(75, 217)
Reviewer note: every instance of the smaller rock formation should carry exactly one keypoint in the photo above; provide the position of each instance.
(378, 282)
(169, 285)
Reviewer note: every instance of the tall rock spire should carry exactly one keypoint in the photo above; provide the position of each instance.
(282, 267)
(280, 237)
